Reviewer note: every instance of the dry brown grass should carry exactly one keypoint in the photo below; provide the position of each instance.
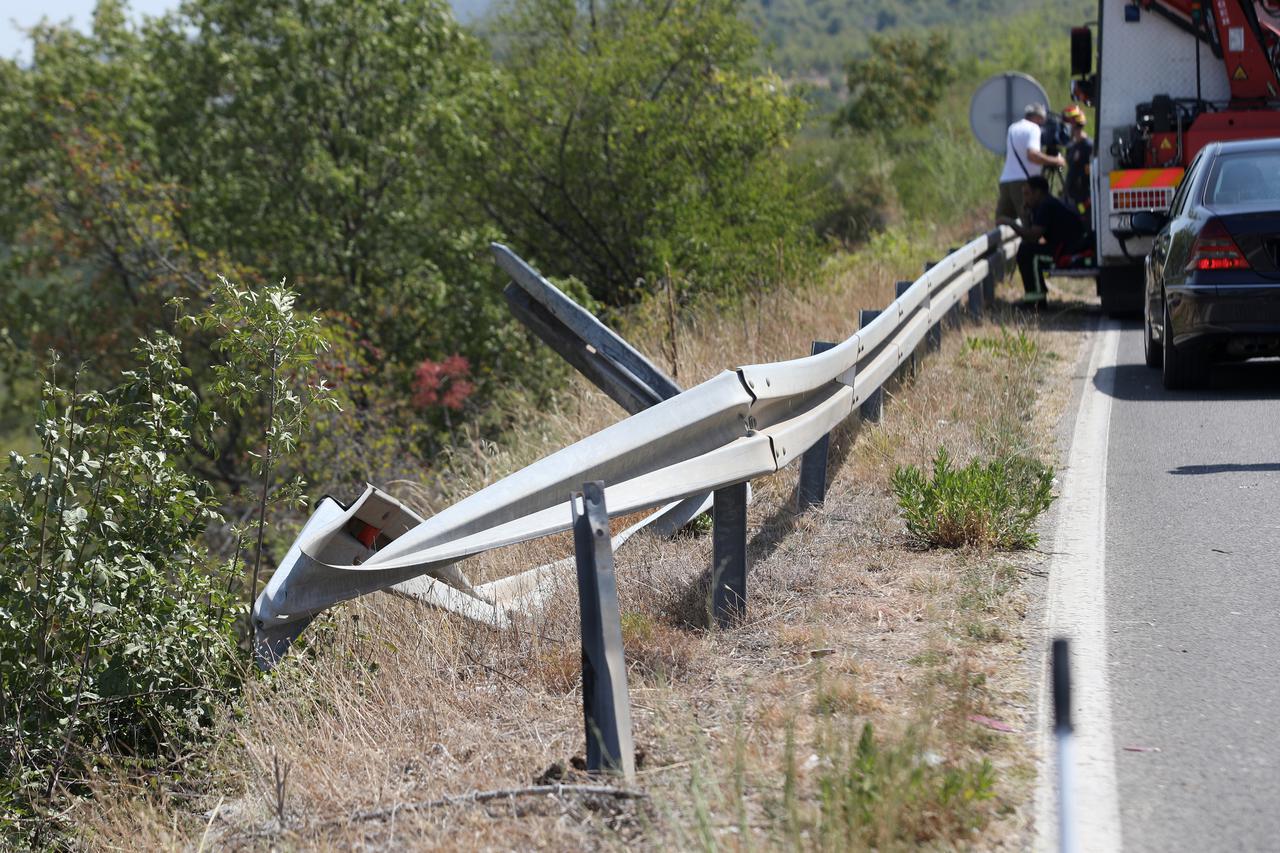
(391, 702)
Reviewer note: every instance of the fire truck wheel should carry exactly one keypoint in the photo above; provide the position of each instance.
(1120, 289)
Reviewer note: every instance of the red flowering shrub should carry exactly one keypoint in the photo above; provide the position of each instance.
(442, 383)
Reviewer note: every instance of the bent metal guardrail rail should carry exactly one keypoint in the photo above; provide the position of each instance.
(675, 449)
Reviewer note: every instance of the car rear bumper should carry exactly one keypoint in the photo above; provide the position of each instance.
(1242, 317)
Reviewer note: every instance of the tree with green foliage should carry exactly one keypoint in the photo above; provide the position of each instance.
(324, 141)
(632, 136)
(321, 141)
(898, 84)
(118, 634)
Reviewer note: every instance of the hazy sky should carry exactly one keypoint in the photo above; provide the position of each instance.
(28, 12)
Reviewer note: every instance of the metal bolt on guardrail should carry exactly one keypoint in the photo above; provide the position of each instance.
(606, 708)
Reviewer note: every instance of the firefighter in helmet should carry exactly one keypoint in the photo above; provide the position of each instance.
(1076, 192)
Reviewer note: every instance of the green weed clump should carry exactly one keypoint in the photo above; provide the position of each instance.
(986, 504)
(881, 794)
(1020, 346)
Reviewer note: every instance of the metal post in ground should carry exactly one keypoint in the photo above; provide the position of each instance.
(1062, 733)
(995, 270)
(872, 407)
(729, 555)
(606, 707)
(911, 364)
(933, 337)
(975, 303)
(812, 488)
(953, 316)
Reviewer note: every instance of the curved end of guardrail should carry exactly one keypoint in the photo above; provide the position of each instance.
(272, 642)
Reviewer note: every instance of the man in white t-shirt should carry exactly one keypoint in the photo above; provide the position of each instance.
(1022, 160)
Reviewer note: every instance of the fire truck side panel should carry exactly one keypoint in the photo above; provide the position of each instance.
(1136, 61)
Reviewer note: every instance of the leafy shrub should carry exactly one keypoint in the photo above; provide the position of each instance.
(854, 197)
(990, 505)
(116, 634)
(898, 84)
(117, 627)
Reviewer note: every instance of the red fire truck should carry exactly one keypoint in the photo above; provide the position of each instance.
(1171, 77)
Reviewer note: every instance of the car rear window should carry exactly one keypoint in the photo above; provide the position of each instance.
(1246, 177)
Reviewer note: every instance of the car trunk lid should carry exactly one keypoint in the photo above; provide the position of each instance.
(1256, 230)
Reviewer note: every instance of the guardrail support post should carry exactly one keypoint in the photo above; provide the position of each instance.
(606, 708)
(812, 488)
(872, 407)
(975, 303)
(933, 337)
(900, 288)
(995, 272)
(729, 555)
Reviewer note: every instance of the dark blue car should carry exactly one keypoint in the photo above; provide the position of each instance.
(1213, 275)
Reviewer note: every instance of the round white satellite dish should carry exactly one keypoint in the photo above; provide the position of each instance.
(998, 103)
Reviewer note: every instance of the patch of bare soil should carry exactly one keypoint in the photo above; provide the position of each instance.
(876, 695)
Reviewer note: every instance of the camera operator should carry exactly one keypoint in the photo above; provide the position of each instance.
(1023, 160)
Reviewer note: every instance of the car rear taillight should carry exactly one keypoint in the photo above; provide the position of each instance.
(1214, 249)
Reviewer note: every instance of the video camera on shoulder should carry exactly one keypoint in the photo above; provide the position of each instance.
(1055, 134)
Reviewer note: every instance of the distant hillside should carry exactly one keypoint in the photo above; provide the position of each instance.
(813, 39)
(820, 35)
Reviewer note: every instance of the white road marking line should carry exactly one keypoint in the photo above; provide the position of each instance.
(1077, 610)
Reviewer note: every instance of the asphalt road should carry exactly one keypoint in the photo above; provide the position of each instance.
(1193, 606)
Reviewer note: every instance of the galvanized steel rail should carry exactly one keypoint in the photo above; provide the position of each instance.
(741, 424)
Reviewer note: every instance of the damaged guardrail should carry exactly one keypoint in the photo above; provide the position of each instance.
(674, 451)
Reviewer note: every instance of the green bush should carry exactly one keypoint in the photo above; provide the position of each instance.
(990, 505)
(116, 637)
(853, 192)
(873, 793)
(118, 631)
(1020, 346)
